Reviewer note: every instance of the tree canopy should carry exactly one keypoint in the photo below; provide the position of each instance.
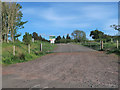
(27, 38)
(11, 20)
(68, 37)
(96, 34)
(63, 37)
(79, 35)
(116, 27)
(35, 36)
(58, 38)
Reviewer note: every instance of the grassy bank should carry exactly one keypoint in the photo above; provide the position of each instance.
(21, 53)
(108, 47)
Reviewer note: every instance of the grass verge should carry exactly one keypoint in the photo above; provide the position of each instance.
(21, 52)
(107, 47)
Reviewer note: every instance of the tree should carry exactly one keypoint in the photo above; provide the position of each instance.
(43, 39)
(58, 39)
(68, 37)
(11, 20)
(63, 37)
(116, 27)
(27, 38)
(96, 34)
(79, 35)
(40, 37)
(16, 20)
(4, 21)
(35, 36)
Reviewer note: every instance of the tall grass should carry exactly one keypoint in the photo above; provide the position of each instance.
(21, 52)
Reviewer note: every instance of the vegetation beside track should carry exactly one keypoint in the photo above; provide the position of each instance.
(108, 47)
(21, 51)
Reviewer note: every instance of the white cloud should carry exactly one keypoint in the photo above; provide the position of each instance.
(91, 12)
(51, 14)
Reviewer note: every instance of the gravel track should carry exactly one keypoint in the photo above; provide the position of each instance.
(70, 66)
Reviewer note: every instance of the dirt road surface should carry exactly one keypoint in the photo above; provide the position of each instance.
(70, 66)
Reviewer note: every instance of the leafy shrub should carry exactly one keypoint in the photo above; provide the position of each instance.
(28, 57)
(27, 38)
(21, 52)
(22, 56)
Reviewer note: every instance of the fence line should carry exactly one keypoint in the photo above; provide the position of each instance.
(103, 45)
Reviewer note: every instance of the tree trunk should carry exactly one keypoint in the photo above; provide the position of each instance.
(7, 36)
(12, 37)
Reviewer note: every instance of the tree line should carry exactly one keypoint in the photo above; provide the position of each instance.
(76, 36)
(27, 38)
(12, 23)
(80, 36)
(99, 35)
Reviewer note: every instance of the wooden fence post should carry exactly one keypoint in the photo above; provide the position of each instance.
(111, 40)
(101, 45)
(41, 47)
(117, 44)
(14, 50)
(29, 48)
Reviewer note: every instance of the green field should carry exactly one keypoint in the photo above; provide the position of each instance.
(108, 47)
(21, 52)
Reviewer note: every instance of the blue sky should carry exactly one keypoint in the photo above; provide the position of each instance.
(61, 18)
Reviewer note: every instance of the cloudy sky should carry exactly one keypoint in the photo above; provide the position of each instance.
(61, 18)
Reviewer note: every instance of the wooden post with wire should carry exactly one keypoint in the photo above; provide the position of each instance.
(117, 44)
(101, 45)
(29, 48)
(41, 47)
(14, 50)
